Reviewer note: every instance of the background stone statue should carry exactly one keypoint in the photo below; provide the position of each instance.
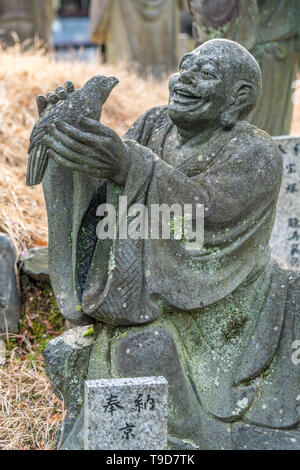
(28, 18)
(219, 323)
(270, 29)
(145, 32)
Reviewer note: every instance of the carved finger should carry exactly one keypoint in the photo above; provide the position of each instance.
(61, 93)
(61, 161)
(73, 166)
(85, 162)
(70, 142)
(41, 103)
(84, 137)
(69, 86)
(59, 148)
(93, 126)
(52, 97)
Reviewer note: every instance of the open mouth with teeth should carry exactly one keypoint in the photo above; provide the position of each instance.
(181, 95)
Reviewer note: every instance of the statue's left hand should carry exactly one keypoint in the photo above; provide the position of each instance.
(93, 149)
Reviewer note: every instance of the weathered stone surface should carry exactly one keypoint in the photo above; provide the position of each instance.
(10, 303)
(126, 414)
(66, 361)
(285, 241)
(35, 263)
(82, 102)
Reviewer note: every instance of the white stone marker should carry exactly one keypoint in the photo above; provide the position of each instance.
(285, 240)
(126, 414)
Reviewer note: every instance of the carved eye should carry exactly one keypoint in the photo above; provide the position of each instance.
(103, 82)
(207, 74)
(184, 66)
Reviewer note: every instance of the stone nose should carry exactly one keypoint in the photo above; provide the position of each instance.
(188, 77)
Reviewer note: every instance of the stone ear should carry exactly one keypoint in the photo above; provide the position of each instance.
(243, 92)
(241, 101)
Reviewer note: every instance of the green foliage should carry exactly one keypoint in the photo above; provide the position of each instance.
(41, 319)
(90, 331)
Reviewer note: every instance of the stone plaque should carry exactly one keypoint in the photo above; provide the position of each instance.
(126, 414)
(285, 240)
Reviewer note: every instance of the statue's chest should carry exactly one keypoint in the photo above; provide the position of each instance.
(191, 160)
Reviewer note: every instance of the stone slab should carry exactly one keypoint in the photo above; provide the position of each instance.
(285, 240)
(35, 263)
(10, 301)
(126, 414)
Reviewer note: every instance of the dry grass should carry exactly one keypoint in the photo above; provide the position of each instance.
(29, 412)
(22, 77)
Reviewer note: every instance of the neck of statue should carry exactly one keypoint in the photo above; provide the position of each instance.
(196, 136)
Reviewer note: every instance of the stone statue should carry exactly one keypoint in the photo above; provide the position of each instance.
(222, 323)
(270, 29)
(28, 18)
(145, 32)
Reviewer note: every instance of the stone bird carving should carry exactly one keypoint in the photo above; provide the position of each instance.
(86, 101)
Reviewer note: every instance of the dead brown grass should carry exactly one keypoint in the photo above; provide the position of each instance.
(22, 77)
(29, 412)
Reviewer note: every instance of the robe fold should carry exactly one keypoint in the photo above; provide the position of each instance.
(151, 276)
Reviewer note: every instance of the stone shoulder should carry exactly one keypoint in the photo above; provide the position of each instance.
(257, 149)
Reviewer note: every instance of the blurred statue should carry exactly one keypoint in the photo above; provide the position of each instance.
(270, 30)
(26, 18)
(142, 31)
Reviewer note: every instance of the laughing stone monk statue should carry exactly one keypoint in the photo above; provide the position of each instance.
(220, 323)
(270, 30)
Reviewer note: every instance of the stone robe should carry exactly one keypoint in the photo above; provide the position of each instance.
(222, 323)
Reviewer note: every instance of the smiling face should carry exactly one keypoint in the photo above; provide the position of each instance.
(203, 89)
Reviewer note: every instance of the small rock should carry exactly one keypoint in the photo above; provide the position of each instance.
(10, 301)
(34, 263)
(66, 361)
(2, 352)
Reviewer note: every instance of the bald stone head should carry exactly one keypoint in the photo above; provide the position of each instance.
(217, 84)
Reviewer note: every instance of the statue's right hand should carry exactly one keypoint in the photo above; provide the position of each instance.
(61, 93)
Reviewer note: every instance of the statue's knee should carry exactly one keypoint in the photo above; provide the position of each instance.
(149, 352)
